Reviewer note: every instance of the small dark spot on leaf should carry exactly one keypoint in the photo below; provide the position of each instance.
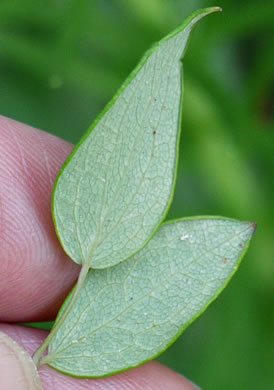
(131, 298)
(137, 323)
(241, 245)
(118, 320)
(155, 99)
(225, 260)
(154, 132)
(164, 107)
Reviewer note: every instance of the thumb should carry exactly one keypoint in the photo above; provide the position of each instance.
(17, 370)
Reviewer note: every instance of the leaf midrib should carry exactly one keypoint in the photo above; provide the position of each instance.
(141, 181)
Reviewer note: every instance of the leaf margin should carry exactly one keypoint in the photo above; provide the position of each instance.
(200, 14)
(238, 262)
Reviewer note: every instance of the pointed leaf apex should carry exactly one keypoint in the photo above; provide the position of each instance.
(217, 9)
(254, 226)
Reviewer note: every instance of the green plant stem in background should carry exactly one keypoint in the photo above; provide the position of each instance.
(81, 279)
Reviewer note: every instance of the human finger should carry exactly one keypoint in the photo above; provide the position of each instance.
(35, 273)
(151, 376)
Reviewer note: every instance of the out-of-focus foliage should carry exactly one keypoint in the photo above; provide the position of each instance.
(62, 60)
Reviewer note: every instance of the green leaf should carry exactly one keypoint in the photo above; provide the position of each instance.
(116, 187)
(130, 313)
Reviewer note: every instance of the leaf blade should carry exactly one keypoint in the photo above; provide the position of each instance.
(116, 187)
(136, 309)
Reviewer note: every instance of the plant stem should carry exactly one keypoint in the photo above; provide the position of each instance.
(39, 352)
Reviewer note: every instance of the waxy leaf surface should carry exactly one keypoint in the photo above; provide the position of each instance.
(130, 313)
(115, 189)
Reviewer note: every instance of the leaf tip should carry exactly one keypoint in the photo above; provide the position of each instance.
(217, 9)
(211, 10)
(253, 225)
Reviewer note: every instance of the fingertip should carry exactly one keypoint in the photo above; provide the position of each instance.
(154, 375)
(17, 369)
(150, 376)
(36, 275)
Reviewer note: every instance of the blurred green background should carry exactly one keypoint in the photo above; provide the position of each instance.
(60, 63)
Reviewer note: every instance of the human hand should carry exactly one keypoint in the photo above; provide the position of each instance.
(35, 273)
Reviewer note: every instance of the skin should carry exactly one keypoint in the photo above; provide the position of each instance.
(35, 273)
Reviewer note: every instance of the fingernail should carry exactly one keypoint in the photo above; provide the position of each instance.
(17, 370)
